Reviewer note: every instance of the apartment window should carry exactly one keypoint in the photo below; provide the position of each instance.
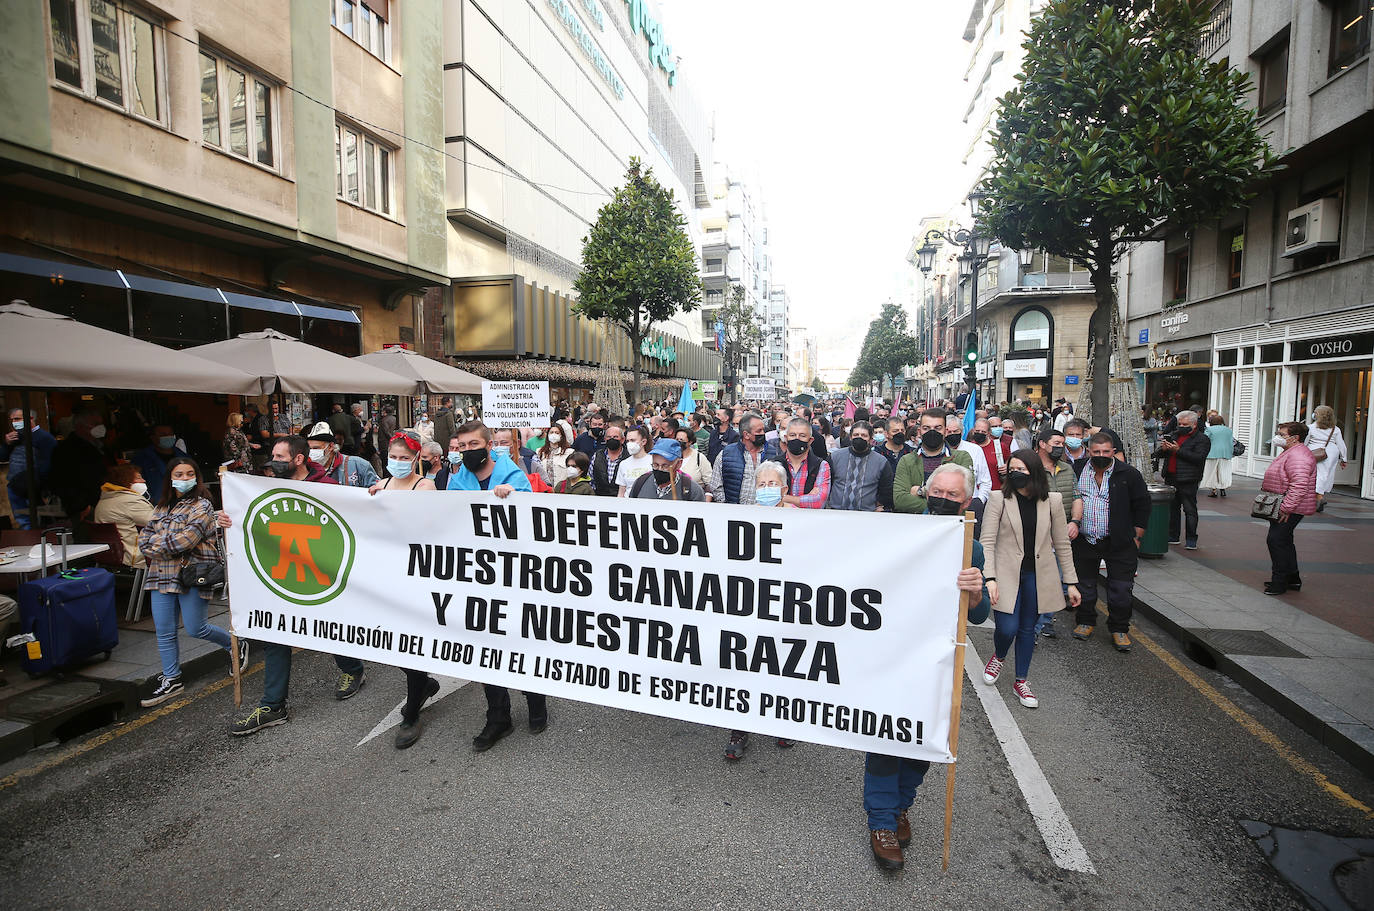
(715, 265)
(110, 53)
(1273, 77)
(1349, 33)
(366, 22)
(362, 167)
(1233, 254)
(1176, 275)
(237, 110)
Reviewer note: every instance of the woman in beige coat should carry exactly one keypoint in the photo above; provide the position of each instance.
(1024, 581)
(123, 504)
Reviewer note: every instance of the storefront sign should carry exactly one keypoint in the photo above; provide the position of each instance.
(515, 404)
(660, 53)
(1155, 359)
(659, 350)
(1031, 366)
(1356, 344)
(594, 13)
(793, 623)
(583, 39)
(1071, 380)
(1174, 322)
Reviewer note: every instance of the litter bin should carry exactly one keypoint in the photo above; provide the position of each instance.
(1156, 540)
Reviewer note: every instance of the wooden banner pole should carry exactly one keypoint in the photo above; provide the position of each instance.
(233, 636)
(957, 702)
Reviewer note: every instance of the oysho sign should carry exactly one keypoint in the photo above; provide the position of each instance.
(660, 52)
(1357, 344)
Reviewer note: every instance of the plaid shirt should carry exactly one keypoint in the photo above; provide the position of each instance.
(817, 497)
(1095, 502)
(177, 537)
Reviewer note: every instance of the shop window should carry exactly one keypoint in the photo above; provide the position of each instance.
(1271, 354)
(110, 53)
(1266, 402)
(237, 110)
(1030, 331)
(1273, 77)
(362, 169)
(1230, 357)
(1349, 34)
(365, 21)
(1233, 254)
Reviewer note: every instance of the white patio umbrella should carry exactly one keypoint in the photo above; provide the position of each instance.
(287, 364)
(429, 376)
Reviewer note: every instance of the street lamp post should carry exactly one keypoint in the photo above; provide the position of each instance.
(976, 250)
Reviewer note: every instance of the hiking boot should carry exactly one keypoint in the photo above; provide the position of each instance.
(261, 717)
(1023, 693)
(734, 750)
(1122, 641)
(490, 734)
(349, 684)
(407, 734)
(167, 687)
(903, 830)
(886, 850)
(1083, 631)
(993, 670)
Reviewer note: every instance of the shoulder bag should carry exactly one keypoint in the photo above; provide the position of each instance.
(1237, 449)
(1267, 506)
(1320, 454)
(204, 573)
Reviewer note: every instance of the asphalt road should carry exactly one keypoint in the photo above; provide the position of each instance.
(611, 809)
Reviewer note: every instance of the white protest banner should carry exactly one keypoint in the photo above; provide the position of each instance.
(515, 404)
(759, 388)
(826, 626)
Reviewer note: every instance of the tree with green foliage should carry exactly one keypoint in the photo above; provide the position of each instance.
(818, 386)
(889, 345)
(743, 332)
(1117, 131)
(638, 264)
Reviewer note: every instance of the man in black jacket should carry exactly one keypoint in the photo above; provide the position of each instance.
(1184, 460)
(1116, 512)
(606, 461)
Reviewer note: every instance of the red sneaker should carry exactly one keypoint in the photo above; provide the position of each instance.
(993, 670)
(1023, 692)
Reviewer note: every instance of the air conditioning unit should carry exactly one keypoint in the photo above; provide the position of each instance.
(1315, 225)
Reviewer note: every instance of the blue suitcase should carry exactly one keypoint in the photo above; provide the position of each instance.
(71, 615)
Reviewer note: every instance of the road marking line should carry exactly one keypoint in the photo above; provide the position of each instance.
(447, 686)
(85, 746)
(1252, 725)
(1058, 833)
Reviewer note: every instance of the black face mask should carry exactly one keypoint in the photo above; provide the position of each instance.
(979, 438)
(760, 439)
(796, 447)
(613, 445)
(858, 446)
(1056, 452)
(1102, 463)
(939, 506)
(953, 440)
(278, 468)
(661, 476)
(1018, 479)
(898, 439)
(932, 439)
(598, 432)
(474, 459)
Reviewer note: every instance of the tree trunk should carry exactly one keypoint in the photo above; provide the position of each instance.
(636, 340)
(1100, 339)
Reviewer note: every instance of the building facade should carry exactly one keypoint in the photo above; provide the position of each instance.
(545, 102)
(1269, 311)
(775, 338)
(734, 254)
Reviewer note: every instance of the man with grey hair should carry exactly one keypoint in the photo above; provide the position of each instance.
(860, 479)
(1185, 454)
(890, 782)
(808, 475)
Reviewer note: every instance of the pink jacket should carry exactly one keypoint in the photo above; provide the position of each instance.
(1294, 474)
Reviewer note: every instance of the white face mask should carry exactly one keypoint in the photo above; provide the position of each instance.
(1280, 441)
(98, 431)
(633, 448)
(555, 438)
(139, 488)
(317, 456)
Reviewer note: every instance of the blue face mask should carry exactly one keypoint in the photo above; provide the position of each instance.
(455, 458)
(400, 468)
(1074, 443)
(500, 452)
(166, 442)
(768, 496)
(880, 438)
(183, 485)
(996, 432)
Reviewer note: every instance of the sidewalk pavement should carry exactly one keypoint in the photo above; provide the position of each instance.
(1309, 654)
(55, 708)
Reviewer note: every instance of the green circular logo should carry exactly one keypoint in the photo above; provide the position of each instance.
(300, 548)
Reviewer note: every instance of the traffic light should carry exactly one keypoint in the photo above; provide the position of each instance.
(971, 349)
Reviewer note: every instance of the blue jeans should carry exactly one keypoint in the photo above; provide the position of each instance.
(890, 784)
(19, 508)
(277, 672)
(1019, 625)
(193, 613)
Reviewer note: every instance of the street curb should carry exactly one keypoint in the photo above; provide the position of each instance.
(1287, 697)
(123, 695)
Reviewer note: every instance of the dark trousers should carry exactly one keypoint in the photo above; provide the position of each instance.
(349, 665)
(498, 704)
(1121, 565)
(417, 690)
(1283, 553)
(1185, 503)
(890, 784)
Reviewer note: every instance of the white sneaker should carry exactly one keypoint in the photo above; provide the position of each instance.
(993, 670)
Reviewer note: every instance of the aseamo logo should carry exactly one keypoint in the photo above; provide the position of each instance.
(299, 547)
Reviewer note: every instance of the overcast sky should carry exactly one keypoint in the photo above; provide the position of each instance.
(849, 115)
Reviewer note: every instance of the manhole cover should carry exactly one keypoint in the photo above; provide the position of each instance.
(49, 700)
(1246, 642)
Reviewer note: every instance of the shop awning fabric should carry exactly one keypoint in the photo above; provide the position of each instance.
(43, 350)
(430, 377)
(287, 364)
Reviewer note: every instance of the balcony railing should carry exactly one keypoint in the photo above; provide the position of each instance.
(1217, 31)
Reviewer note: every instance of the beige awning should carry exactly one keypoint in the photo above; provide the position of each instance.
(428, 375)
(44, 350)
(290, 365)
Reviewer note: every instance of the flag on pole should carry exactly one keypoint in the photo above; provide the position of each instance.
(686, 404)
(848, 408)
